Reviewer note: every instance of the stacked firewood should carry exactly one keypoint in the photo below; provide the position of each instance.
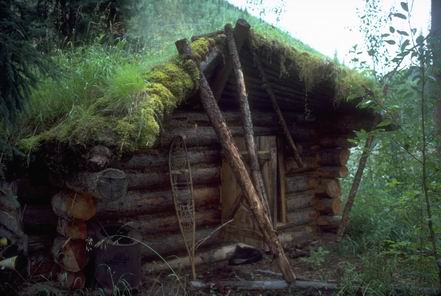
(69, 248)
(313, 192)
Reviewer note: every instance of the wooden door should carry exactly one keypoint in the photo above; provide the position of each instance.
(243, 228)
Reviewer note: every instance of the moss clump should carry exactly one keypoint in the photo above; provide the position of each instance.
(200, 48)
(173, 77)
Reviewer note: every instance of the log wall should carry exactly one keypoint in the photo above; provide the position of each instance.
(148, 205)
(311, 193)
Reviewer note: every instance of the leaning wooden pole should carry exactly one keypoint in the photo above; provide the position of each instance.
(247, 121)
(354, 187)
(266, 85)
(234, 159)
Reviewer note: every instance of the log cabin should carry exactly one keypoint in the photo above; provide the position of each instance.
(303, 110)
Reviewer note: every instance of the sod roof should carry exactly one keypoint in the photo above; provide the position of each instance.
(131, 120)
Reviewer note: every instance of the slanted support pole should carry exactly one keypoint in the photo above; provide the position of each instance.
(354, 187)
(247, 121)
(237, 165)
(268, 89)
(241, 31)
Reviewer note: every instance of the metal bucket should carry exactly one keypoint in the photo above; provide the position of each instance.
(112, 184)
(118, 258)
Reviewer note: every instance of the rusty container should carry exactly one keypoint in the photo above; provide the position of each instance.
(118, 257)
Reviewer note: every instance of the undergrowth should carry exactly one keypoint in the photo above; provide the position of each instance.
(385, 247)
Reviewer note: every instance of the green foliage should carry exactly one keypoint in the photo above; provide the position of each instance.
(20, 61)
(389, 230)
(317, 257)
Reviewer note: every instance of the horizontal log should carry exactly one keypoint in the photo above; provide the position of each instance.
(189, 119)
(299, 200)
(206, 257)
(301, 217)
(173, 244)
(329, 223)
(300, 183)
(310, 162)
(200, 119)
(327, 206)
(147, 202)
(162, 180)
(206, 136)
(329, 188)
(332, 171)
(70, 204)
(338, 157)
(159, 224)
(266, 285)
(155, 159)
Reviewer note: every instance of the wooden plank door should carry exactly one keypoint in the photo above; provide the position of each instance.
(243, 228)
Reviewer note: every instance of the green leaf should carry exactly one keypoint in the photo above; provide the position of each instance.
(391, 29)
(420, 39)
(385, 35)
(404, 33)
(404, 6)
(385, 122)
(399, 15)
(405, 44)
(391, 42)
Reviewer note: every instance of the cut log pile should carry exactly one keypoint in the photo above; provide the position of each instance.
(313, 192)
(69, 247)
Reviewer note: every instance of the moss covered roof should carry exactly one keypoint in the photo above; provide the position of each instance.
(131, 119)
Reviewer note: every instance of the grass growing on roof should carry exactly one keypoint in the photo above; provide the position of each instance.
(117, 100)
(314, 69)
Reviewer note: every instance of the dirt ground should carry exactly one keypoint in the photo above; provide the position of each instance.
(266, 269)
